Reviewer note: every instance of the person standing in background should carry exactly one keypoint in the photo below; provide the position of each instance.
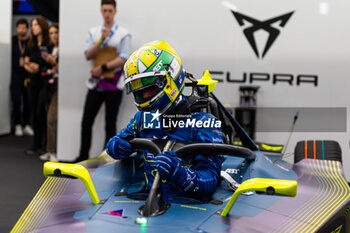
(51, 78)
(34, 65)
(108, 47)
(19, 92)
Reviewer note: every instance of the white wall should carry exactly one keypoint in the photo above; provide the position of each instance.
(74, 71)
(5, 64)
(207, 36)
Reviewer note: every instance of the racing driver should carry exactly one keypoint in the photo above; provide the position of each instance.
(155, 75)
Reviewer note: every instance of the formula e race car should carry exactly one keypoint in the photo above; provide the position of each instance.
(258, 192)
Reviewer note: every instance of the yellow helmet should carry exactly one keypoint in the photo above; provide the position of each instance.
(154, 65)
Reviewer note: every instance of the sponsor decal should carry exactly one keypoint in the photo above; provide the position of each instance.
(156, 52)
(274, 78)
(173, 93)
(118, 213)
(202, 88)
(174, 68)
(251, 25)
(232, 171)
(273, 27)
(158, 66)
(338, 230)
(338, 225)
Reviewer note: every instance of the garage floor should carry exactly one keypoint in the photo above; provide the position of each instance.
(20, 178)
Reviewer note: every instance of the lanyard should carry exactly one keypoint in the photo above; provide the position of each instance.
(111, 33)
(21, 47)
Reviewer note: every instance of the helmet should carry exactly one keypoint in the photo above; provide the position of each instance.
(154, 66)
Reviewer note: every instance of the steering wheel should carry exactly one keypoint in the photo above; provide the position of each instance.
(154, 204)
(195, 149)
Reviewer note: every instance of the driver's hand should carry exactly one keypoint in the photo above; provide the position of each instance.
(118, 148)
(167, 164)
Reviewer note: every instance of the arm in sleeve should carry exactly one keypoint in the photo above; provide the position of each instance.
(206, 169)
(89, 42)
(117, 147)
(124, 47)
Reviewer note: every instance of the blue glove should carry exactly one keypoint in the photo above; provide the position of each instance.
(167, 164)
(170, 168)
(202, 181)
(118, 148)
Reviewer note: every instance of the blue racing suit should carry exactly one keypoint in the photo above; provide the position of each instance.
(190, 176)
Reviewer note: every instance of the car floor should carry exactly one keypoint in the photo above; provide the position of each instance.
(21, 176)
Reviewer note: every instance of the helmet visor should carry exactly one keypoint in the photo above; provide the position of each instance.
(143, 80)
(149, 87)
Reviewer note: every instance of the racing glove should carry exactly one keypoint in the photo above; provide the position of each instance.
(118, 148)
(203, 181)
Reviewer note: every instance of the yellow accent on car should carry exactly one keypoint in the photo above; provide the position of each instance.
(271, 148)
(127, 202)
(72, 170)
(41, 205)
(207, 80)
(271, 186)
(193, 207)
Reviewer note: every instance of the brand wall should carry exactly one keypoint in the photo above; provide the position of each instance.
(5, 64)
(296, 51)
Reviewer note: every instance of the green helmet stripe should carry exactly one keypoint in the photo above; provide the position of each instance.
(150, 68)
(164, 57)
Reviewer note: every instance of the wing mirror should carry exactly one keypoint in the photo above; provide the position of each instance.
(269, 186)
(70, 170)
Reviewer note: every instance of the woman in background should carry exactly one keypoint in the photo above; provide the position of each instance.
(52, 84)
(34, 64)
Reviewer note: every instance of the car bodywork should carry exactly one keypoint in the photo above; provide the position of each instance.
(321, 204)
(63, 204)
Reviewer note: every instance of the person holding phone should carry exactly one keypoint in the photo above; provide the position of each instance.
(51, 77)
(34, 64)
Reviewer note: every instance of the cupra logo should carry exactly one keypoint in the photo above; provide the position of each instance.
(250, 26)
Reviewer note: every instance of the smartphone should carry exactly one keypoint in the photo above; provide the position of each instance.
(43, 49)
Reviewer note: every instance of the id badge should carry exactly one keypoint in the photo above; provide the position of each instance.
(21, 61)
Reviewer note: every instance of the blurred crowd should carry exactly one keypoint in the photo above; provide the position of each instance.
(34, 84)
(34, 80)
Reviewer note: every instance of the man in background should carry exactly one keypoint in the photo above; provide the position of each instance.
(19, 92)
(108, 48)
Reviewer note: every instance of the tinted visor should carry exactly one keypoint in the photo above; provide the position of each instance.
(141, 88)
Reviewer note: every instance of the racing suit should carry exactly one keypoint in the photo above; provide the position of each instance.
(198, 175)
